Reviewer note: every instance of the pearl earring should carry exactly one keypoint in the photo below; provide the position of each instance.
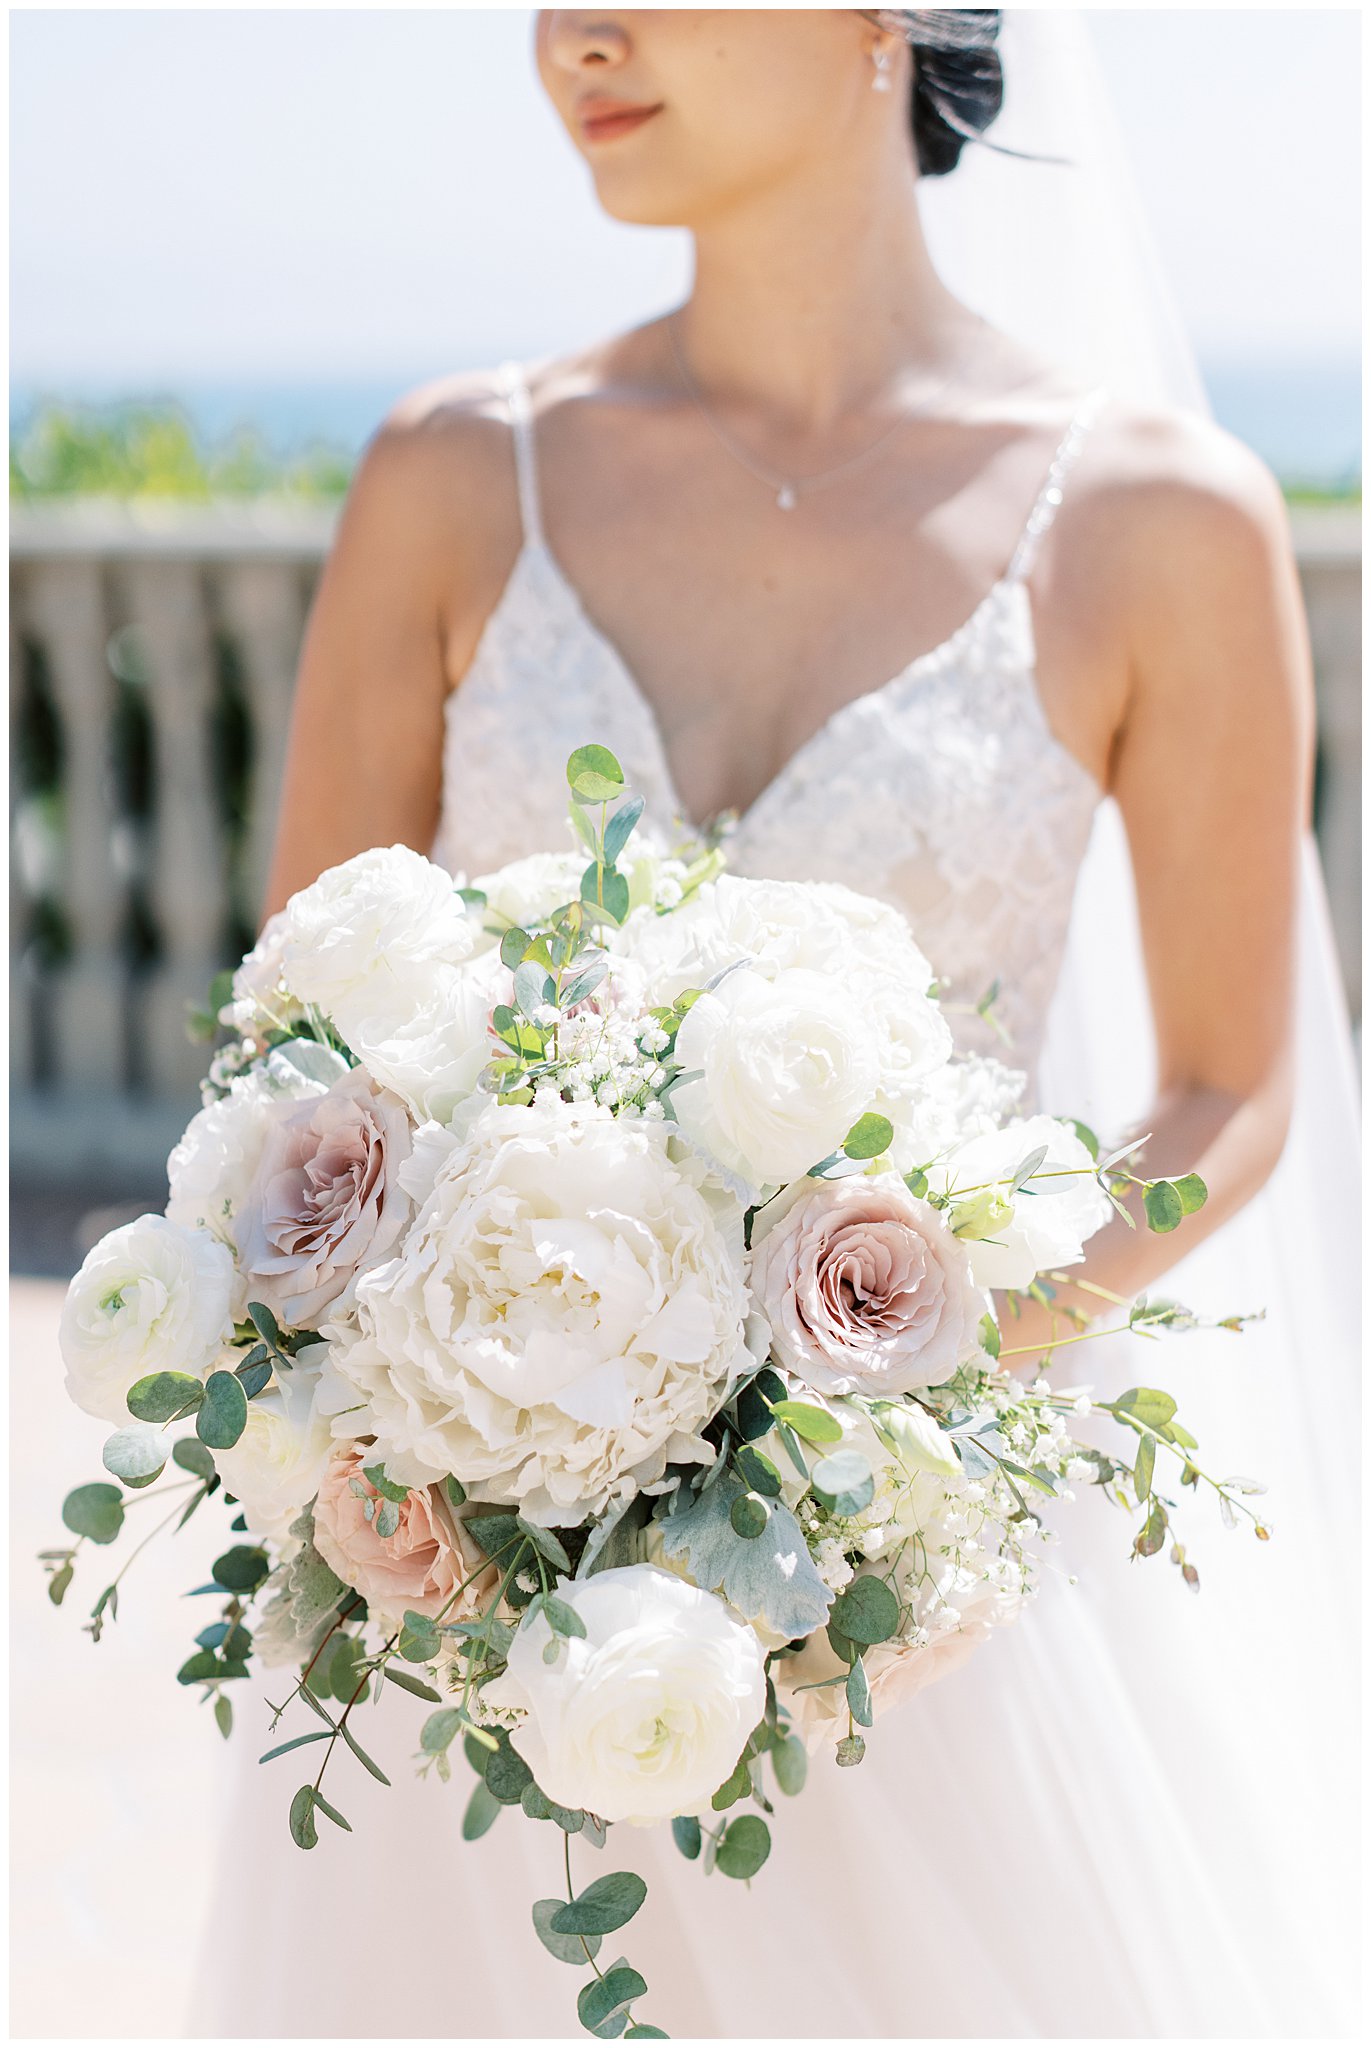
(881, 59)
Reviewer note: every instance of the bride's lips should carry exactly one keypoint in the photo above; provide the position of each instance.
(601, 120)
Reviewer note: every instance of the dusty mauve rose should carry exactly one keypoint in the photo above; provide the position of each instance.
(419, 1567)
(865, 1288)
(325, 1202)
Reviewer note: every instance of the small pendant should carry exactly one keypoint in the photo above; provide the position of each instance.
(785, 498)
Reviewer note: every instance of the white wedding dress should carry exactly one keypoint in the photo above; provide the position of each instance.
(1129, 1815)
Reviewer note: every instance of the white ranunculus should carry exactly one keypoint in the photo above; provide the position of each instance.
(1046, 1223)
(566, 1311)
(646, 1715)
(212, 1166)
(381, 916)
(426, 1036)
(276, 1465)
(785, 1068)
(149, 1297)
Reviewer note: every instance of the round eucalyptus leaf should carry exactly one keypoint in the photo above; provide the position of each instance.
(844, 1482)
(568, 1948)
(136, 1454)
(95, 1511)
(594, 775)
(749, 1516)
(866, 1611)
(162, 1395)
(745, 1846)
(223, 1414)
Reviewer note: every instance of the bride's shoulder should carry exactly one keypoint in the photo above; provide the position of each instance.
(1172, 487)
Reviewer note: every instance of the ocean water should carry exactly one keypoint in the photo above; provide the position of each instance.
(1302, 417)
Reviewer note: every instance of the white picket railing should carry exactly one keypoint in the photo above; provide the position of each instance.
(152, 661)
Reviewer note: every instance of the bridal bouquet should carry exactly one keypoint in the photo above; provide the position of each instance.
(594, 1291)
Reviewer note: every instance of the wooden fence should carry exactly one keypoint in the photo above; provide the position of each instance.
(152, 662)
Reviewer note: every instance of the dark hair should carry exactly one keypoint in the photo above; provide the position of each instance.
(958, 83)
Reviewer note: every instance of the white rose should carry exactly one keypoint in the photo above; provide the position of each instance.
(646, 1715)
(862, 946)
(261, 999)
(1046, 1223)
(426, 1036)
(374, 918)
(276, 1465)
(566, 1311)
(526, 892)
(786, 1066)
(150, 1297)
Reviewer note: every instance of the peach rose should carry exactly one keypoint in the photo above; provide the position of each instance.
(325, 1201)
(865, 1288)
(419, 1567)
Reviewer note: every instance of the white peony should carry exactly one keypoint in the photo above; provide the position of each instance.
(565, 1313)
(784, 1066)
(646, 1715)
(371, 921)
(426, 1036)
(149, 1297)
(276, 1465)
(1010, 1239)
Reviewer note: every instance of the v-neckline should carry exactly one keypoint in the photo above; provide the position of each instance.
(535, 546)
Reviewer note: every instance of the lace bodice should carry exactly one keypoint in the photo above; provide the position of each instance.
(944, 791)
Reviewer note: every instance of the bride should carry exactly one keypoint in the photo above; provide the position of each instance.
(843, 570)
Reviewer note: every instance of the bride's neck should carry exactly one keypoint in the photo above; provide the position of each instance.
(809, 301)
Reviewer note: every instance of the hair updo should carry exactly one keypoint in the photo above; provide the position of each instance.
(958, 78)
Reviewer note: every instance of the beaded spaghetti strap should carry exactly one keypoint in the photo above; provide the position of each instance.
(514, 385)
(1050, 496)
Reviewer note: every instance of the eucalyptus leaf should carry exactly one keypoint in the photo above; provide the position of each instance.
(242, 1569)
(389, 1489)
(815, 1425)
(685, 1833)
(568, 1948)
(867, 1611)
(482, 1812)
(95, 1511)
(1162, 1206)
(594, 775)
(871, 1135)
(620, 827)
(302, 1829)
(609, 1903)
(745, 1846)
(223, 1414)
(193, 1456)
(136, 1454)
(608, 1996)
(790, 1762)
(844, 1482)
(859, 1695)
(162, 1395)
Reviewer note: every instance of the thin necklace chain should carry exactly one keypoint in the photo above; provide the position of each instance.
(788, 489)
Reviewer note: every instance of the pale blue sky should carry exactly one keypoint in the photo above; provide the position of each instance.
(203, 194)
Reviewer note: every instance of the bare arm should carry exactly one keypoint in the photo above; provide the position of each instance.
(403, 593)
(1211, 770)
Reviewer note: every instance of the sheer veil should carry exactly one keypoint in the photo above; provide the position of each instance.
(1261, 1713)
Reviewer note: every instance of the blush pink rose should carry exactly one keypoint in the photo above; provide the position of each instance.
(325, 1201)
(865, 1288)
(419, 1567)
